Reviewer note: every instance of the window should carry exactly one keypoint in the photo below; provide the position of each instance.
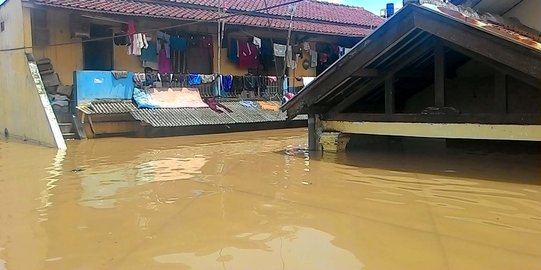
(2, 27)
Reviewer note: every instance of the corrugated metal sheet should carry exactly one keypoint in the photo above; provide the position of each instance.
(183, 117)
(109, 107)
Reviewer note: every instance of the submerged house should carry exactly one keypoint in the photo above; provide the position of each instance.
(80, 62)
(433, 70)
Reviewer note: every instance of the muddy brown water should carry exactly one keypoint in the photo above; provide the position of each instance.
(254, 201)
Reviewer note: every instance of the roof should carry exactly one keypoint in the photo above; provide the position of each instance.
(404, 35)
(311, 16)
(184, 117)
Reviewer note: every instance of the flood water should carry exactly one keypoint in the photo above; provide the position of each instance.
(255, 201)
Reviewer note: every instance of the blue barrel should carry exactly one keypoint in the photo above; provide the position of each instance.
(390, 9)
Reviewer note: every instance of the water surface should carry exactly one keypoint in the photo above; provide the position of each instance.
(257, 201)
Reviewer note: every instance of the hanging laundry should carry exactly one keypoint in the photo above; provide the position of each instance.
(257, 42)
(248, 55)
(195, 79)
(238, 83)
(291, 59)
(121, 39)
(267, 47)
(164, 41)
(227, 82)
(306, 46)
(280, 50)
(250, 83)
(131, 27)
(207, 78)
(217, 86)
(164, 64)
(234, 51)
(313, 59)
(296, 50)
(138, 42)
(139, 78)
(178, 43)
(323, 58)
(149, 53)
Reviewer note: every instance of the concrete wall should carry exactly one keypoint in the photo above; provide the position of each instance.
(65, 58)
(528, 12)
(22, 112)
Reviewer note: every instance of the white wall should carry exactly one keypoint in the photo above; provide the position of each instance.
(22, 111)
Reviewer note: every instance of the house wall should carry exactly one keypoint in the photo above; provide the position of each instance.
(65, 58)
(23, 113)
(68, 58)
(528, 12)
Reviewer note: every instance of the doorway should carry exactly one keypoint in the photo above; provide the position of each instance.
(98, 54)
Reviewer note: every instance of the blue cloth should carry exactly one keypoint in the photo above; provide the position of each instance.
(142, 99)
(227, 82)
(195, 79)
(178, 43)
(150, 53)
(233, 51)
(248, 104)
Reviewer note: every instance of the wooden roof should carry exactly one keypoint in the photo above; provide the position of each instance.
(409, 38)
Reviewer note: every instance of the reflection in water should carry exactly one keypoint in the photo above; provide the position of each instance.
(294, 250)
(259, 201)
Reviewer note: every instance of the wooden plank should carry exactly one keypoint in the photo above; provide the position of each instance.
(442, 130)
(485, 118)
(489, 45)
(500, 92)
(389, 95)
(366, 72)
(439, 75)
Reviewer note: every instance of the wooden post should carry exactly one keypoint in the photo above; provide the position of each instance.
(439, 75)
(313, 133)
(500, 92)
(389, 95)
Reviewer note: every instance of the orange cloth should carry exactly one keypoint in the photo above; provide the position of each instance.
(269, 106)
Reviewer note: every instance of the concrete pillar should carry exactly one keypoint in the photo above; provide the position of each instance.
(334, 141)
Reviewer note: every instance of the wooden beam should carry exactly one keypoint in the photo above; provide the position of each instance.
(412, 54)
(389, 95)
(439, 75)
(443, 130)
(500, 92)
(479, 118)
(366, 72)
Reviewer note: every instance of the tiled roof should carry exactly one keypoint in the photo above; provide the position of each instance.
(185, 117)
(311, 16)
(308, 9)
